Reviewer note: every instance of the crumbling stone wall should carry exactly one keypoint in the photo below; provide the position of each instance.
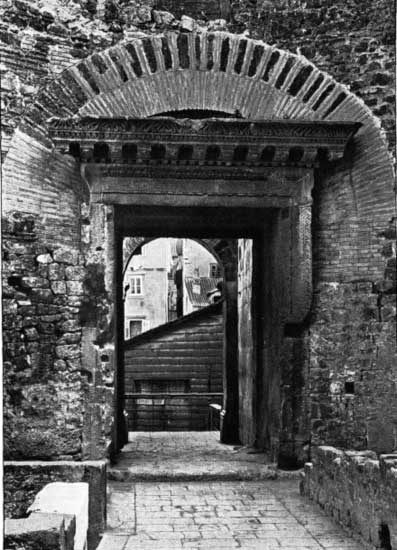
(358, 489)
(43, 385)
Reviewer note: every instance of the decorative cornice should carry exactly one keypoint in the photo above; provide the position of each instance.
(240, 142)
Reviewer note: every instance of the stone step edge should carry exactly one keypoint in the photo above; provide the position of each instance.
(131, 476)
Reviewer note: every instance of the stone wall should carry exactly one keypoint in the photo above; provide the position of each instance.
(43, 381)
(351, 329)
(357, 489)
(353, 367)
(351, 40)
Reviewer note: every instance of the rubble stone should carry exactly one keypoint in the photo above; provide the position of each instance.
(187, 23)
(66, 256)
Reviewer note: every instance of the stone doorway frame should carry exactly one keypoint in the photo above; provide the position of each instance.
(275, 174)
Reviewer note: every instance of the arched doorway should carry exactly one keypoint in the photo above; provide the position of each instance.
(214, 72)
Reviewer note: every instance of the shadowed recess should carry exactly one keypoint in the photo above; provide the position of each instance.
(136, 66)
(255, 60)
(165, 50)
(242, 48)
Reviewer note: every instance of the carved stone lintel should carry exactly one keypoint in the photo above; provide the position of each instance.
(287, 143)
(215, 171)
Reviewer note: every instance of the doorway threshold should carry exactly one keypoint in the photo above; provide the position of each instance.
(190, 456)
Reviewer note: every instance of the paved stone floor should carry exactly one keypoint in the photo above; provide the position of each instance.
(265, 515)
(188, 491)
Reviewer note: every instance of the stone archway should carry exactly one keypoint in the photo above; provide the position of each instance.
(223, 250)
(173, 72)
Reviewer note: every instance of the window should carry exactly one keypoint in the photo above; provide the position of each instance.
(135, 328)
(215, 271)
(136, 286)
(196, 289)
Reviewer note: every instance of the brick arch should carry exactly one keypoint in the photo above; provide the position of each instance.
(213, 71)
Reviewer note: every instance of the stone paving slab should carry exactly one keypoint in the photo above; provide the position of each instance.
(267, 515)
(187, 456)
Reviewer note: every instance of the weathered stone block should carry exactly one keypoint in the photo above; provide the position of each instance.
(187, 23)
(44, 259)
(65, 256)
(40, 531)
(75, 273)
(67, 351)
(70, 338)
(31, 334)
(9, 307)
(56, 272)
(42, 295)
(58, 287)
(66, 499)
(59, 365)
(70, 326)
(34, 282)
(75, 288)
(23, 480)
(163, 18)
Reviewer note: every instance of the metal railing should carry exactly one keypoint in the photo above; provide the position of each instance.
(173, 411)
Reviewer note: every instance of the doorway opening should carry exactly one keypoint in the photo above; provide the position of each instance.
(150, 374)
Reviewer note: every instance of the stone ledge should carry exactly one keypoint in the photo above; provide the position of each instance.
(40, 531)
(23, 480)
(66, 498)
(357, 488)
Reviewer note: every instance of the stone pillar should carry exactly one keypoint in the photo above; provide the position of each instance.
(229, 427)
(246, 344)
(98, 325)
(284, 293)
(301, 253)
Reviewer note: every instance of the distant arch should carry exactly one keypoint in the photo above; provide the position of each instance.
(223, 250)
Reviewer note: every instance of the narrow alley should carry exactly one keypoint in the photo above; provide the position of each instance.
(186, 490)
